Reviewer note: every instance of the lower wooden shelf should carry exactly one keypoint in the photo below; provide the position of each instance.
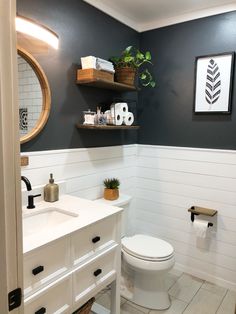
(107, 127)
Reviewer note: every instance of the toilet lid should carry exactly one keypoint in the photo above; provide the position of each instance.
(147, 247)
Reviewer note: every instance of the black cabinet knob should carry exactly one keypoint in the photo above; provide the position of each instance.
(96, 239)
(97, 272)
(37, 270)
(41, 311)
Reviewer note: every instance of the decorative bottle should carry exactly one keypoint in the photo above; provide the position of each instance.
(51, 190)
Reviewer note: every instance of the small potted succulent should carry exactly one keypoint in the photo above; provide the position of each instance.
(130, 64)
(111, 190)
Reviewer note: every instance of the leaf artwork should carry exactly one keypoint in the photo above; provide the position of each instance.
(213, 83)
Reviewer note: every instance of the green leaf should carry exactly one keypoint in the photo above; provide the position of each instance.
(139, 55)
(128, 59)
(153, 84)
(128, 49)
(115, 60)
(143, 76)
(112, 183)
(148, 55)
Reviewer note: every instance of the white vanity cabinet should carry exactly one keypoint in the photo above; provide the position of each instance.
(63, 274)
(45, 264)
(89, 277)
(55, 298)
(93, 239)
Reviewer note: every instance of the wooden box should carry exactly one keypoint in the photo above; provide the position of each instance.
(24, 161)
(93, 74)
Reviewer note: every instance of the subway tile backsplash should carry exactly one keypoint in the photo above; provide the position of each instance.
(30, 96)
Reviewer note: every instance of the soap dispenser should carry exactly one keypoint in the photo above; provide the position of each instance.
(51, 190)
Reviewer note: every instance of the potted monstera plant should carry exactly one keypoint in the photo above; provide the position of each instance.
(111, 190)
(131, 63)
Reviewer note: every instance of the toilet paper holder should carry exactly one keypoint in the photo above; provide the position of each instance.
(195, 211)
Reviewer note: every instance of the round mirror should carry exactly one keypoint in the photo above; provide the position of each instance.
(34, 96)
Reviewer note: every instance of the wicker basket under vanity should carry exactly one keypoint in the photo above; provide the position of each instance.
(86, 308)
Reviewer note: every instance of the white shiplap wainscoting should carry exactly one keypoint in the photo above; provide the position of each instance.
(84, 169)
(172, 179)
(165, 182)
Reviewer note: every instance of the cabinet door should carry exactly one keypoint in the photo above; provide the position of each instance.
(45, 264)
(56, 299)
(93, 239)
(94, 274)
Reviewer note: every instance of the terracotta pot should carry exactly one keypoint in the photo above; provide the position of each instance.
(111, 194)
(125, 75)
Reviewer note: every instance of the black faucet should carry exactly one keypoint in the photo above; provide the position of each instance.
(27, 183)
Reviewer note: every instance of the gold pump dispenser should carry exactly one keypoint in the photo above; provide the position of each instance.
(51, 190)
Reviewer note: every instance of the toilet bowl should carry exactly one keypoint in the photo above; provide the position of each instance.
(150, 259)
(145, 263)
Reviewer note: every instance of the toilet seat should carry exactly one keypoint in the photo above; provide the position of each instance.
(147, 248)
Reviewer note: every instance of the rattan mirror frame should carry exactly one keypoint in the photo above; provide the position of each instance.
(46, 95)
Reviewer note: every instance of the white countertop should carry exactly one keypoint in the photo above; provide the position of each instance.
(88, 212)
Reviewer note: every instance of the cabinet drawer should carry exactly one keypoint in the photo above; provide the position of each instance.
(45, 264)
(93, 239)
(56, 299)
(90, 276)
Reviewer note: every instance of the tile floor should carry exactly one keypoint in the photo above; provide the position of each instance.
(189, 295)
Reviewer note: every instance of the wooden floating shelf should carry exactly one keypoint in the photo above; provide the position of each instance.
(202, 211)
(99, 83)
(108, 127)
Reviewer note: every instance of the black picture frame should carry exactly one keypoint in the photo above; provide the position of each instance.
(227, 110)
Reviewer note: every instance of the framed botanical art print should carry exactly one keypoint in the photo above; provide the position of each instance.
(213, 83)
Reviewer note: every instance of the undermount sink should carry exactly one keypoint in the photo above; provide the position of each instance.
(45, 219)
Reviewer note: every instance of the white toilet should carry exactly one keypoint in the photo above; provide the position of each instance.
(145, 262)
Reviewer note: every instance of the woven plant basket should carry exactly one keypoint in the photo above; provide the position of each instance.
(86, 308)
(125, 75)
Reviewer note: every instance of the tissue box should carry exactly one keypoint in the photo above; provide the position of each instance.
(88, 62)
(91, 62)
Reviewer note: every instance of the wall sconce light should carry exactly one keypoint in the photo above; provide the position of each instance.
(31, 28)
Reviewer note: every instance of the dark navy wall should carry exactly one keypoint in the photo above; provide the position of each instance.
(83, 30)
(165, 113)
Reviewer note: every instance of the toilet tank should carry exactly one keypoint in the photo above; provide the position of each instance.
(123, 201)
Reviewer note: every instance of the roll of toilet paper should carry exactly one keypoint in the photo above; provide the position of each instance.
(200, 227)
(118, 112)
(129, 118)
(118, 117)
(121, 106)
